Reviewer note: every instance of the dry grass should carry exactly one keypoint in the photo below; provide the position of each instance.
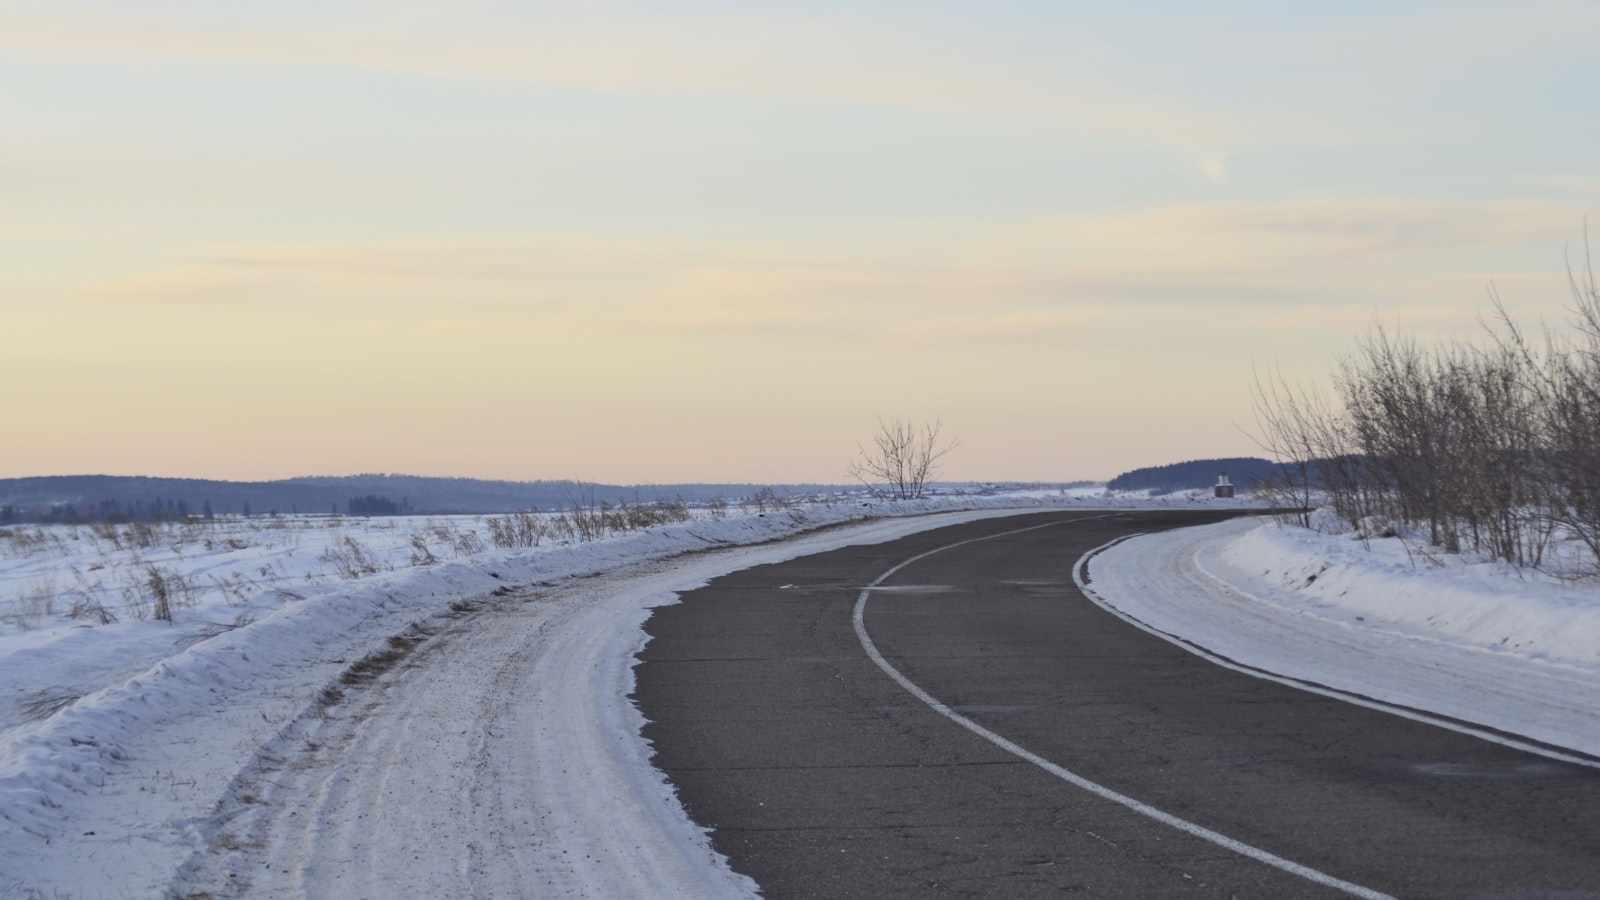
(367, 670)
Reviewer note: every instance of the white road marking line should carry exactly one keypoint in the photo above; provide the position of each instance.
(1072, 778)
(1405, 712)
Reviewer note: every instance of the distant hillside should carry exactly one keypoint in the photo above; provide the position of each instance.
(100, 497)
(1198, 474)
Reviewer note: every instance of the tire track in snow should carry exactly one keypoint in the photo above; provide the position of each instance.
(498, 762)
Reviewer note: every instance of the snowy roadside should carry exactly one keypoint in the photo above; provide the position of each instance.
(118, 742)
(1479, 643)
(134, 756)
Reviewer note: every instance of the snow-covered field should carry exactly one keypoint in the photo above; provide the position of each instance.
(142, 756)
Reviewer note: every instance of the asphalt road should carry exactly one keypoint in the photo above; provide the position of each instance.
(824, 776)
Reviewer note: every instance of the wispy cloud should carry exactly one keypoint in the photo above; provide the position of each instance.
(1326, 251)
(811, 56)
(752, 320)
(1571, 183)
(1242, 237)
(1019, 327)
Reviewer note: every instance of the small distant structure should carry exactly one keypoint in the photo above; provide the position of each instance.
(1224, 488)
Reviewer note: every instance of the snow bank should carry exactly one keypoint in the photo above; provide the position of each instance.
(1476, 642)
(1385, 584)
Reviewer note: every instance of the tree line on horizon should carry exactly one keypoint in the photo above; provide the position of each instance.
(91, 498)
(1195, 474)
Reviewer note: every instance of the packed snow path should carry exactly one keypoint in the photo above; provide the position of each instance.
(498, 759)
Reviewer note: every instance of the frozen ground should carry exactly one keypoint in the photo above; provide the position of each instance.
(242, 749)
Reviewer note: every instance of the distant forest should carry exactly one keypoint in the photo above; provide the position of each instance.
(1198, 474)
(90, 498)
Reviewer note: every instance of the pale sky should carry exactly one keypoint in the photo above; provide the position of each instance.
(715, 241)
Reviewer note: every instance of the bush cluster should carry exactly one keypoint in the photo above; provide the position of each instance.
(585, 520)
(1492, 447)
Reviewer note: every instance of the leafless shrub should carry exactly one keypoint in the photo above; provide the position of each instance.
(461, 541)
(1297, 432)
(27, 542)
(160, 595)
(39, 601)
(135, 600)
(559, 528)
(589, 523)
(86, 594)
(92, 609)
(1491, 448)
(903, 457)
(349, 558)
(518, 530)
(586, 518)
(420, 554)
(673, 511)
(235, 587)
(143, 535)
(466, 542)
(168, 590)
(108, 532)
(639, 516)
(767, 498)
(632, 517)
(502, 532)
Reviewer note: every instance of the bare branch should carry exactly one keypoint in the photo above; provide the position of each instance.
(903, 457)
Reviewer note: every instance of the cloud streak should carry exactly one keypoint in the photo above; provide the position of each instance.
(837, 58)
(1319, 251)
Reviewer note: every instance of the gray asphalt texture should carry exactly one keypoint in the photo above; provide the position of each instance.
(822, 777)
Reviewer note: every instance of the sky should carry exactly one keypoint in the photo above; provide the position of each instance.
(710, 241)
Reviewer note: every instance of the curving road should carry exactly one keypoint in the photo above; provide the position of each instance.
(947, 715)
(489, 751)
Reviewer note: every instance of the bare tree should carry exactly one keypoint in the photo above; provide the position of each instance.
(1567, 388)
(1302, 433)
(1492, 448)
(903, 457)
